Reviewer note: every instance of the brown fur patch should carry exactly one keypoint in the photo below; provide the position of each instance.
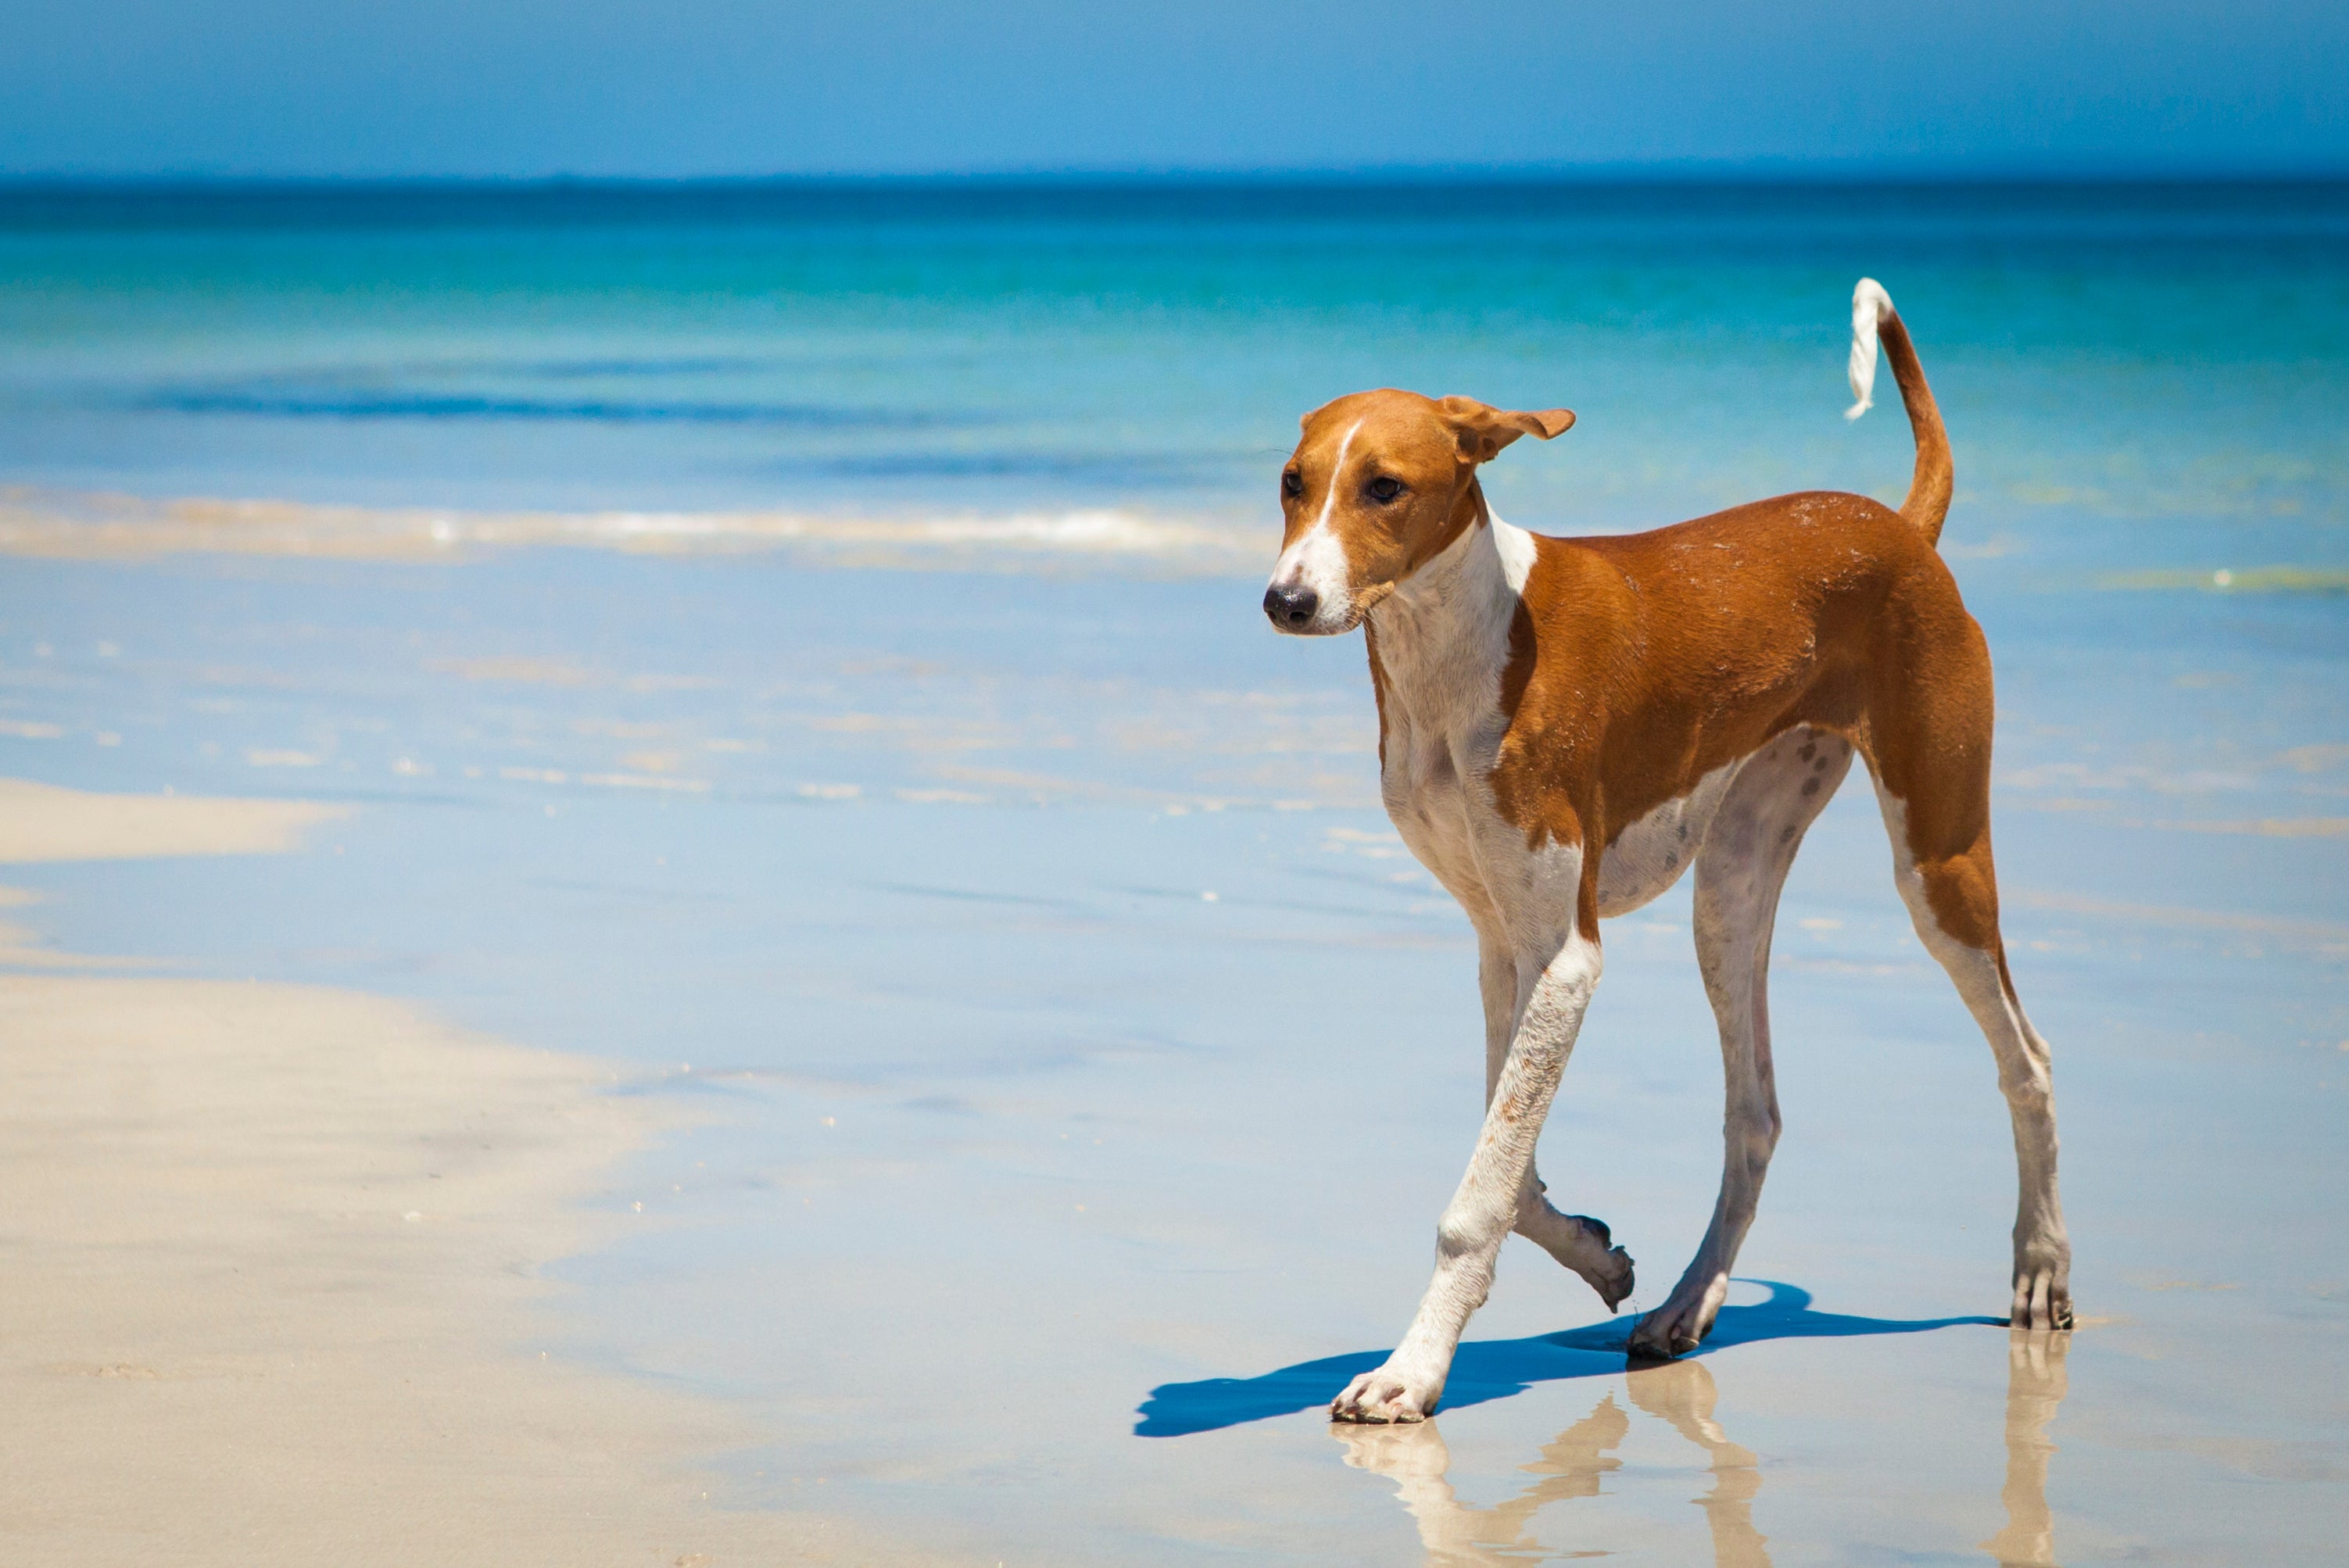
(1640, 663)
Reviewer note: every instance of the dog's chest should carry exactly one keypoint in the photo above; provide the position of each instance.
(1436, 778)
(1440, 655)
(1435, 796)
(1440, 742)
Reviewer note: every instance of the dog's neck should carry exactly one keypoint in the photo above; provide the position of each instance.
(1442, 636)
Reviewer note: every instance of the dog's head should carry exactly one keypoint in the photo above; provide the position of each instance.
(1380, 484)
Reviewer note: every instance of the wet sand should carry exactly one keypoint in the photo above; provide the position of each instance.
(276, 1256)
(948, 932)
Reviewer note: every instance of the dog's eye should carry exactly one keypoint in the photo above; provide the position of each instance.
(1292, 482)
(1384, 489)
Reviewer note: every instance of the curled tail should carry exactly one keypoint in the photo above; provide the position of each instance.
(1872, 317)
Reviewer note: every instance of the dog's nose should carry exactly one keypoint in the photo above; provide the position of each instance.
(1290, 607)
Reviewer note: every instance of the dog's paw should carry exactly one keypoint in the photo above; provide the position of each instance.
(1583, 1245)
(2042, 1292)
(1673, 1329)
(1392, 1395)
(1611, 1275)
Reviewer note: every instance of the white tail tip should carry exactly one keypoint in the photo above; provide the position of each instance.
(1869, 306)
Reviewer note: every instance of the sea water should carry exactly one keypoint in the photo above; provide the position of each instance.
(1083, 1061)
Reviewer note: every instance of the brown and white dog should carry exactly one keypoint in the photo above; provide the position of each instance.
(1566, 726)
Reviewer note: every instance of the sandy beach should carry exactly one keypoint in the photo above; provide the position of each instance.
(274, 1259)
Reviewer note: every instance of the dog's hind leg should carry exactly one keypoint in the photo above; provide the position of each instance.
(1579, 1242)
(1740, 868)
(1930, 721)
(1952, 900)
(1952, 897)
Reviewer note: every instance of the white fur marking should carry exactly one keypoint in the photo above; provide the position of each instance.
(1651, 854)
(1318, 560)
(1337, 472)
(1517, 551)
(1869, 306)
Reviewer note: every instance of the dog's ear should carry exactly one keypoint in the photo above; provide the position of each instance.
(1304, 420)
(1482, 430)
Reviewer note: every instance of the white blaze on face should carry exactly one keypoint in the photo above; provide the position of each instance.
(1318, 560)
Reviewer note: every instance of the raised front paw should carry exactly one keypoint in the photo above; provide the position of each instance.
(1392, 1394)
(1610, 1273)
(1582, 1244)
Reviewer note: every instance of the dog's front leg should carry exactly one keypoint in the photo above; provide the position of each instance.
(1481, 1214)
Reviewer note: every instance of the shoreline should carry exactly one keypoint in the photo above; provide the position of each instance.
(277, 1259)
(92, 526)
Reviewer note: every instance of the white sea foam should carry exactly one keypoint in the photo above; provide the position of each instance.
(51, 523)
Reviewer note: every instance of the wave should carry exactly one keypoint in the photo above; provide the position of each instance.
(476, 406)
(1121, 467)
(87, 526)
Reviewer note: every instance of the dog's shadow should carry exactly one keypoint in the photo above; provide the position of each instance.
(1496, 1369)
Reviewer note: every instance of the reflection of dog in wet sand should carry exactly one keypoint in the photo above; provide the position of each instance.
(1456, 1534)
(1681, 1394)
(1566, 726)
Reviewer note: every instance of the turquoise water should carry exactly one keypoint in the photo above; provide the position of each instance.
(2170, 357)
(1034, 1216)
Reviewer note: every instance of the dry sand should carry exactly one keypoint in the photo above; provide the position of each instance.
(273, 1275)
(43, 822)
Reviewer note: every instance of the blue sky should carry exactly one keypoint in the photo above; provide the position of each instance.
(682, 88)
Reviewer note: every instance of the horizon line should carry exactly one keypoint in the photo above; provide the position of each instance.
(1677, 172)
